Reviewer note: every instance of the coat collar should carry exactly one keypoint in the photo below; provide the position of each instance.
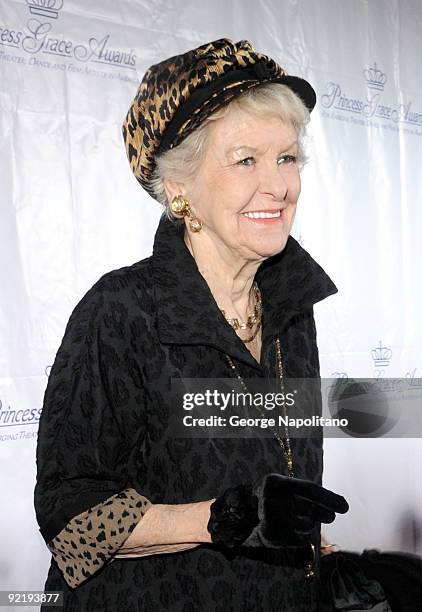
(290, 282)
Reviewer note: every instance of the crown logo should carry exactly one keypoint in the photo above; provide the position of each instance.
(375, 78)
(45, 8)
(381, 356)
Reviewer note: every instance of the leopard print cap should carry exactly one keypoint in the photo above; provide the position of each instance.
(178, 94)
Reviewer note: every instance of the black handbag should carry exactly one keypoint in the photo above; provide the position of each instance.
(375, 581)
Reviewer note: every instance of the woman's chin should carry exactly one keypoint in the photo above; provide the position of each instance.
(269, 246)
(266, 252)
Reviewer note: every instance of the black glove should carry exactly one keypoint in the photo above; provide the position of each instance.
(233, 515)
(289, 509)
(278, 512)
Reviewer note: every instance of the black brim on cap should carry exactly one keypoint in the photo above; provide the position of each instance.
(207, 99)
(301, 88)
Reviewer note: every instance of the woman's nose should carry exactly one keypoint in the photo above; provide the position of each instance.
(273, 182)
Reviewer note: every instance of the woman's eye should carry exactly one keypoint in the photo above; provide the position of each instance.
(284, 159)
(287, 159)
(247, 161)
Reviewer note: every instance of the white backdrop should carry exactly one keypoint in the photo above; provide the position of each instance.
(71, 211)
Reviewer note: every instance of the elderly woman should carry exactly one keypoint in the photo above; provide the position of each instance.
(135, 517)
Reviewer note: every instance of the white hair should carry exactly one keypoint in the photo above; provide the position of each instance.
(181, 163)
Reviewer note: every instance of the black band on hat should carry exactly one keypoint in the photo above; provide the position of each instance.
(258, 73)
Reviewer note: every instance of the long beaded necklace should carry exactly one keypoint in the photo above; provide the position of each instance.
(285, 445)
(309, 566)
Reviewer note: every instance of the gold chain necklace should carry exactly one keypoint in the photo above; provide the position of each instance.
(246, 340)
(253, 319)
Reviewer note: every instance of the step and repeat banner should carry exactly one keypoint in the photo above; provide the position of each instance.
(71, 211)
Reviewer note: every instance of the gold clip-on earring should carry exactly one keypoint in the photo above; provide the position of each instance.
(180, 206)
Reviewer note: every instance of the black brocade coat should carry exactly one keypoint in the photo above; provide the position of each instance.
(105, 414)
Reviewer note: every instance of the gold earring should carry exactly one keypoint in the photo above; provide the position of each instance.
(180, 205)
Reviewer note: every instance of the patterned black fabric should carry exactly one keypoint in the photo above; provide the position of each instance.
(104, 426)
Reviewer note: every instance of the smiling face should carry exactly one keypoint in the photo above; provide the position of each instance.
(248, 184)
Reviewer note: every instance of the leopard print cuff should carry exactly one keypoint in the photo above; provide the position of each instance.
(91, 538)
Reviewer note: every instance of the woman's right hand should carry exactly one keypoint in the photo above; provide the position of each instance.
(278, 511)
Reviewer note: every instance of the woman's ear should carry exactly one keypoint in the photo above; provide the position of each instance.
(172, 189)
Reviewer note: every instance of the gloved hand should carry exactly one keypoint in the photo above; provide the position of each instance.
(233, 516)
(277, 512)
